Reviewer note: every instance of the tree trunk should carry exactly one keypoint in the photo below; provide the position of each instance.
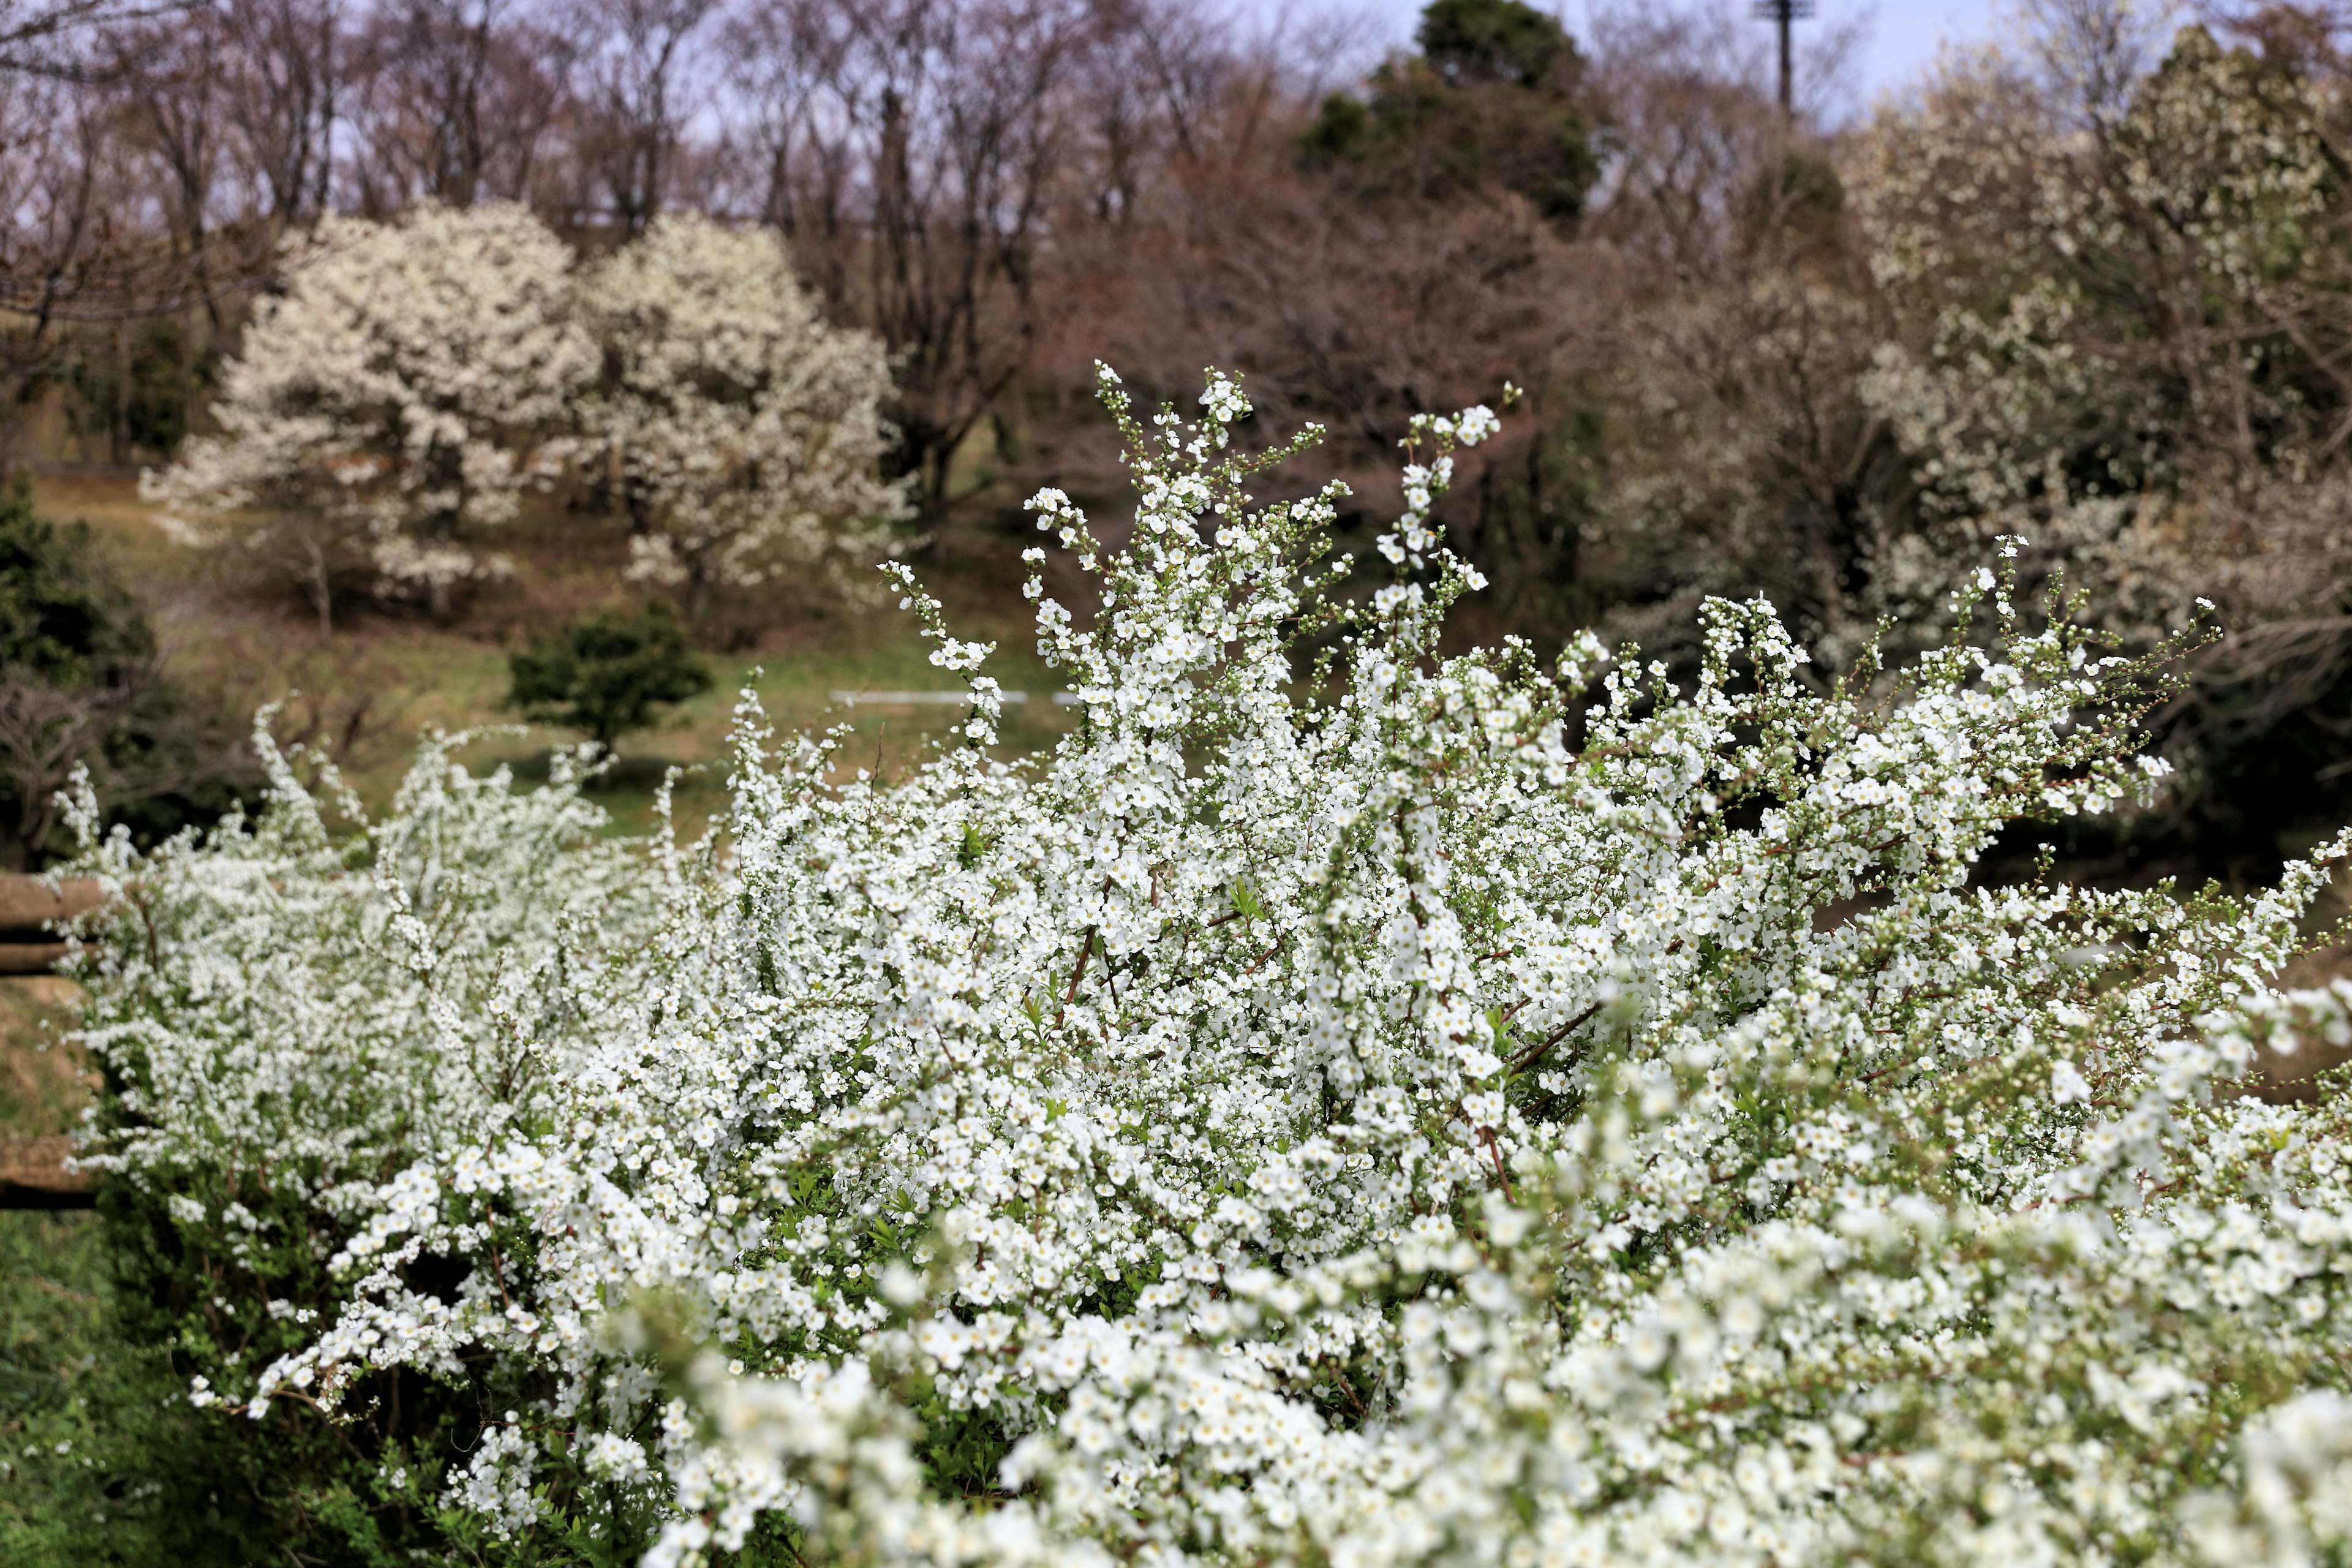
(321, 591)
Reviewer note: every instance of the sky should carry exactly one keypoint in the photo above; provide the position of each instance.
(1904, 35)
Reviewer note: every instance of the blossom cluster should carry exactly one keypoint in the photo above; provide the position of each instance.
(1346, 1102)
(744, 431)
(416, 380)
(2083, 287)
(2039, 240)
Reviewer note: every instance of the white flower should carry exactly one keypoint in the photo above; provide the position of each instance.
(746, 433)
(1311, 1119)
(394, 396)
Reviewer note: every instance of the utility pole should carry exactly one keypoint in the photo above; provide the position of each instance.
(1781, 14)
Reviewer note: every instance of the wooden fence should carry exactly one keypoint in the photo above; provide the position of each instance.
(33, 1173)
(29, 910)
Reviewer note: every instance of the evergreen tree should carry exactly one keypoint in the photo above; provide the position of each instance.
(606, 674)
(81, 685)
(1494, 99)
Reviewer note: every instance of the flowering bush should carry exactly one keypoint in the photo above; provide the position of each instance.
(746, 434)
(399, 392)
(417, 378)
(1342, 1104)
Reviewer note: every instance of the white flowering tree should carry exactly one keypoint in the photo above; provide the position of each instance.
(404, 390)
(2122, 307)
(1329, 1108)
(743, 432)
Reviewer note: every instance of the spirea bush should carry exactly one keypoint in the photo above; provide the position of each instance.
(1344, 1104)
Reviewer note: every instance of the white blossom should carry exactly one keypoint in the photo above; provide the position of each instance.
(745, 432)
(1318, 1112)
(417, 379)
(400, 393)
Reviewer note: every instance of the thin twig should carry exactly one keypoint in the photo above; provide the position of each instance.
(1534, 1053)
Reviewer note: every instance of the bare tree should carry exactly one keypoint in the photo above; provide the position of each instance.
(633, 93)
(1741, 458)
(172, 98)
(45, 732)
(288, 60)
(76, 239)
(52, 38)
(140, 742)
(454, 101)
(59, 185)
(913, 151)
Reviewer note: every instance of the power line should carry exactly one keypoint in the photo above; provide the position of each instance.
(1782, 14)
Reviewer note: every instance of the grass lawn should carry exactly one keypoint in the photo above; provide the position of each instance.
(64, 1373)
(386, 675)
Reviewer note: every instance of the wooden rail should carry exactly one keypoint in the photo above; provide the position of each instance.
(33, 1175)
(29, 911)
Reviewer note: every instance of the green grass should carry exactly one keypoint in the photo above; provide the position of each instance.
(75, 1402)
(411, 680)
(74, 1398)
(44, 1082)
(794, 686)
(368, 692)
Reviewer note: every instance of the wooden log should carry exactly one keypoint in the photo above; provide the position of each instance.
(30, 910)
(30, 957)
(33, 1175)
(29, 906)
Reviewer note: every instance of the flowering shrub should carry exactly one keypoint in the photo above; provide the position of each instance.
(399, 392)
(1343, 1104)
(746, 433)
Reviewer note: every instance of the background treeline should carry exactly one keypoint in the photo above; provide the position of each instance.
(2090, 290)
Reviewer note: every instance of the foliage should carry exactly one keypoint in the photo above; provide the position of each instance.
(1492, 100)
(106, 1461)
(134, 389)
(2085, 288)
(63, 617)
(604, 674)
(66, 1493)
(94, 1432)
(1494, 40)
(80, 686)
(745, 432)
(1325, 1110)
